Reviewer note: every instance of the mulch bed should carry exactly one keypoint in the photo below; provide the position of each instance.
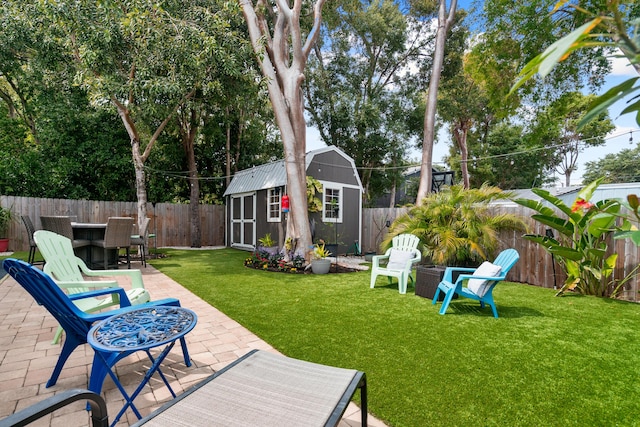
(334, 269)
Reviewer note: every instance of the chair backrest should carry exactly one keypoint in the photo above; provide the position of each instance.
(506, 259)
(118, 232)
(50, 296)
(58, 224)
(26, 220)
(60, 261)
(405, 242)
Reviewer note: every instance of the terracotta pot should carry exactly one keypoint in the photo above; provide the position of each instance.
(4, 245)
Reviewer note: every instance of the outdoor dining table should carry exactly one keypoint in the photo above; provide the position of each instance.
(137, 330)
(90, 231)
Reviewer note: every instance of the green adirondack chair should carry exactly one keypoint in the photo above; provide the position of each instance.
(70, 273)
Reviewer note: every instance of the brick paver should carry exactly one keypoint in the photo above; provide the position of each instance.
(27, 356)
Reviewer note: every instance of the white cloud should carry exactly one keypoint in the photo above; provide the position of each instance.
(620, 65)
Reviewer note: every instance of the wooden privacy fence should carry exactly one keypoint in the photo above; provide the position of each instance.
(535, 267)
(169, 222)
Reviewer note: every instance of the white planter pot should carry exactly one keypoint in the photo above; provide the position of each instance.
(320, 266)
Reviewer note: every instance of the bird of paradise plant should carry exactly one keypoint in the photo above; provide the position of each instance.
(581, 247)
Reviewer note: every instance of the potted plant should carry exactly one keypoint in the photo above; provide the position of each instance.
(6, 216)
(456, 228)
(319, 262)
(267, 244)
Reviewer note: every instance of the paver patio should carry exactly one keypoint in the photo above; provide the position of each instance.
(27, 356)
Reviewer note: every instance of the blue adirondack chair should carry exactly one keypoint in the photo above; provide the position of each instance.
(75, 322)
(67, 270)
(481, 281)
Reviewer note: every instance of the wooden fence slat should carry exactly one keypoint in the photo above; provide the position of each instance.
(170, 223)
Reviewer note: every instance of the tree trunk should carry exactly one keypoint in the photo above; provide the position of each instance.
(282, 58)
(227, 148)
(188, 131)
(141, 187)
(444, 23)
(139, 156)
(460, 133)
(392, 196)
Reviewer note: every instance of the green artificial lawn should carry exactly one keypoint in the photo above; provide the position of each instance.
(547, 361)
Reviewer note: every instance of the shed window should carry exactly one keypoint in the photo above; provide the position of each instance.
(332, 204)
(273, 205)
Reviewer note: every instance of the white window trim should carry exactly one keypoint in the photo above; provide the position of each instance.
(333, 186)
(269, 218)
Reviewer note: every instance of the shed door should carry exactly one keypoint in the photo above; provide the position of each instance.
(243, 221)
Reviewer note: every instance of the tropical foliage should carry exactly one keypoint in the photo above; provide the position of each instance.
(6, 216)
(581, 247)
(456, 225)
(612, 25)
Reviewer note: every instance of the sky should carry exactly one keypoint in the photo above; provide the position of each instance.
(617, 140)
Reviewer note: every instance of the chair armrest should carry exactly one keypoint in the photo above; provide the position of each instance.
(88, 284)
(135, 275)
(471, 276)
(36, 411)
(375, 260)
(124, 299)
(448, 272)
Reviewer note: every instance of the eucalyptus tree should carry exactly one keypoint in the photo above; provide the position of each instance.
(147, 59)
(282, 45)
(446, 15)
(359, 86)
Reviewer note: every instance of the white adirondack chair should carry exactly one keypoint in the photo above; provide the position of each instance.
(398, 261)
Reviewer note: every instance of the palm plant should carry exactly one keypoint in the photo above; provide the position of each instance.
(455, 226)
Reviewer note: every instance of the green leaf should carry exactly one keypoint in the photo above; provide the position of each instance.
(554, 248)
(587, 192)
(604, 101)
(535, 205)
(553, 200)
(633, 235)
(561, 48)
(562, 225)
(600, 224)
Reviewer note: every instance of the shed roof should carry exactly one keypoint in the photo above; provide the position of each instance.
(271, 175)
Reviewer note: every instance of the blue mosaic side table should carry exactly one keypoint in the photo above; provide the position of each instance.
(137, 330)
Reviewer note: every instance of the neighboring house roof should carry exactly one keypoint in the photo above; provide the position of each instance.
(568, 194)
(271, 175)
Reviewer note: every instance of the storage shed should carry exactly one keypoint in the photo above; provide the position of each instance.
(254, 202)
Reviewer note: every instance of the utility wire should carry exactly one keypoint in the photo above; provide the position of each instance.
(184, 174)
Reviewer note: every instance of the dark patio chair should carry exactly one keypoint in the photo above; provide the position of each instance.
(140, 240)
(117, 236)
(28, 224)
(62, 225)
